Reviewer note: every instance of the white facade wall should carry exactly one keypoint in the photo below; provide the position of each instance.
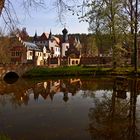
(45, 53)
(39, 56)
(29, 55)
(56, 48)
(65, 47)
(57, 51)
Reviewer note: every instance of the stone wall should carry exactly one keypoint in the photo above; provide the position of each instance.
(53, 62)
(19, 69)
(74, 61)
(95, 60)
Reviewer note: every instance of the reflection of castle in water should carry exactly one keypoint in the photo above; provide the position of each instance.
(47, 89)
(21, 93)
(115, 116)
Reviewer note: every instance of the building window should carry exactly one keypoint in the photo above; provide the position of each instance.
(73, 62)
(13, 53)
(44, 54)
(31, 53)
(76, 61)
(52, 50)
(18, 53)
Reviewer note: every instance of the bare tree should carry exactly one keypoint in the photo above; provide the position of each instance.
(9, 14)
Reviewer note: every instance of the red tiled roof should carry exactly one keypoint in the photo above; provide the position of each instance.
(45, 36)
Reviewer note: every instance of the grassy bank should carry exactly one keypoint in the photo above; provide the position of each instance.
(77, 71)
(4, 137)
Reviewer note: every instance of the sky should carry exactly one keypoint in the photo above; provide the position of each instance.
(45, 19)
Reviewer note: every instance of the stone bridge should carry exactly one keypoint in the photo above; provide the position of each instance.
(16, 69)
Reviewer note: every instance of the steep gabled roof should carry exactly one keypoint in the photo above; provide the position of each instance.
(56, 39)
(45, 37)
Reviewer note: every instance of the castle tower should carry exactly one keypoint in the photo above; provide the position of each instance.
(65, 35)
(35, 37)
(65, 42)
(50, 35)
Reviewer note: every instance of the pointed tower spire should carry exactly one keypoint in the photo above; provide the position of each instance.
(35, 37)
(50, 35)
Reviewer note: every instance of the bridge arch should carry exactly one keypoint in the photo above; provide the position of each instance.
(11, 74)
(11, 70)
(10, 77)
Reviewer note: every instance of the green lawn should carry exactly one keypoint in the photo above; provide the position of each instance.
(77, 71)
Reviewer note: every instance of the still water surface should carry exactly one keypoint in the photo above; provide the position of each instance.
(70, 109)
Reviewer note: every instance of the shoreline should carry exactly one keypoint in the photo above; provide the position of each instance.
(79, 71)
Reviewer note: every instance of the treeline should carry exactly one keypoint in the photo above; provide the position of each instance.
(117, 19)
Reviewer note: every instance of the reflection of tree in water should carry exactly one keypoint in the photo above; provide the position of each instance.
(101, 119)
(16, 94)
(94, 84)
(19, 99)
(113, 115)
(113, 118)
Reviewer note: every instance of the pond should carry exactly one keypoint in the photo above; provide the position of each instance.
(89, 108)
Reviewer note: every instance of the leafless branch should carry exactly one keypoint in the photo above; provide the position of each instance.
(75, 7)
(9, 15)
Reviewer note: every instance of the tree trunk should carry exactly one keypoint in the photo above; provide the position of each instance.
(113, 34)
(2, 2)
(135, 37)
(132, 31)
